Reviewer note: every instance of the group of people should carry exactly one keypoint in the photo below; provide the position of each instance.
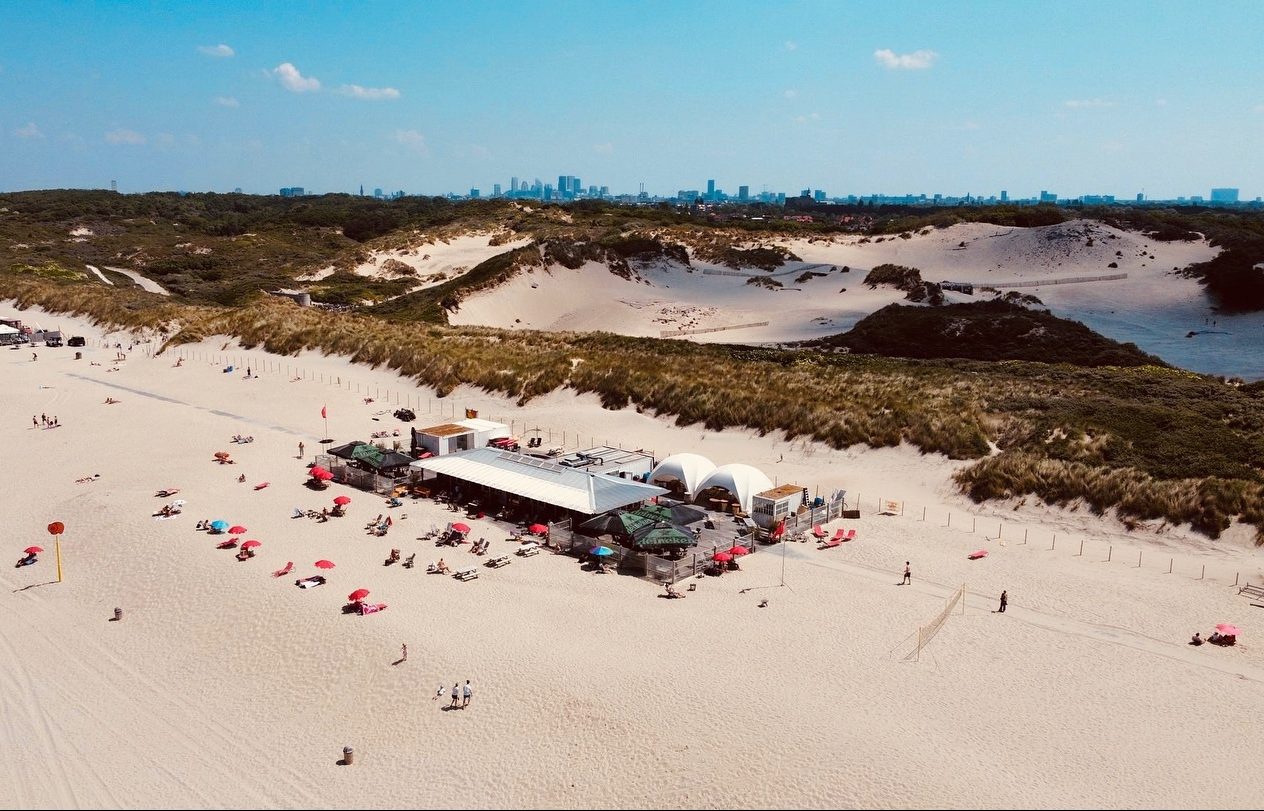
(461, 695)
(438, 568)
(45, 421)
(1216, 638)
(480, 546)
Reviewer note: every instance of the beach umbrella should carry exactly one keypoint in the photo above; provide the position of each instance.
(673, 514)
(236, 529)
(1225, 628)
(601, 551)
(538, 529)
(321, 474)
(358, 595)
(721, 557)
(219, 526)
(33, 550)
(342, 500)
(661, 536)
(738, 551)
(324, 564)
(462, 528)
(251, 544)
(221, 454)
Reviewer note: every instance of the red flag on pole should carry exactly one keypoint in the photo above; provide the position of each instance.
(323, 416)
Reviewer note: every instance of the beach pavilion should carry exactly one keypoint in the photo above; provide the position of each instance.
(740, 482)
(532, 485)
(689, 469)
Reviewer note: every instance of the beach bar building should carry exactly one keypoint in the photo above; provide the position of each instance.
(500, 478)
(457, 436)
(770, 506)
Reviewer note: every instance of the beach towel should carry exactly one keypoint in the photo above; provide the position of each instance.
(166, 517)
(229, 544)
(282, 572)
(262, 485)
(370, 608)
(309, 584)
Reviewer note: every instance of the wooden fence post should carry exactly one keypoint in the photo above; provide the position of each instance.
(1110, 551)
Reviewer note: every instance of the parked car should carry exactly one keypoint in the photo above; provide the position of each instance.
(77, 340)
(52, 339)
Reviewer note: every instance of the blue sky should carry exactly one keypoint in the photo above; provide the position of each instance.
(852, 97)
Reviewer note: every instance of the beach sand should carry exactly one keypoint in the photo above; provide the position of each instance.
(225, 687)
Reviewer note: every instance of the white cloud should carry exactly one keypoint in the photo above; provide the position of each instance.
(1087, 104)
(227, 101)
(604, 149)
(221, 50)
(122, 136)
(29, 131)
(790, 93)
(803, 119)
(791, 45)
(294, 81)
(368, 93)
(412, 140)
(917, 60)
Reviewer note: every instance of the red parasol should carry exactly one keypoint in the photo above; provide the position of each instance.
(321, 474)
(462, 528)
(538, 529)
(324, 564)
(358, 595)
(251, 544)
(721, 557)
(342, 500)
(33, 550)
(221, 454)
(1224, 627)
(237, 529)
(738, 551)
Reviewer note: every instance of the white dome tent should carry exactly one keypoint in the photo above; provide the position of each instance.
(688, 468)
(743, 481)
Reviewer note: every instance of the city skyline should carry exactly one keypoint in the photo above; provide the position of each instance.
(860, 98)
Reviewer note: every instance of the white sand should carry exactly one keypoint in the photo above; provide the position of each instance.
(435, 261)
(1154, 307)
(224, 687)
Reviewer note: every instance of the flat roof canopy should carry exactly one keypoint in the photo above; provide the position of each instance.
(566, 487)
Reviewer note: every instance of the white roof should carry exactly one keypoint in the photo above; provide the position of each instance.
(540, 480)
(5, 329)
(480, 425)
(742, 481)
(689, 468)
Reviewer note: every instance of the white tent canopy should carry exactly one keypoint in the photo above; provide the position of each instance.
(743, 481)
(5, 329)
(689, 468)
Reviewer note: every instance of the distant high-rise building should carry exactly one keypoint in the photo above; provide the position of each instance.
(819, 195)
(710, 189)
(805, 193)
(473, 194)
(513, 184)
(495, 190)
(548, 192)
(605, 191)
(575, 187)
(237, 190)
(1224, 195)
(361, 189)
(1140, 197)
(292, 191)
(743, 193)
(781, 198)
(1048, 197)
(377, 193)
(1004, 196)
(113, 185)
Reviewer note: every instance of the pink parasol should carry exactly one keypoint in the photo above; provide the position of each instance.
(33, 550)
(358, 595)
(462, 528)
(251, 544)
(738, 551)
(978, 553)
(321, 474)
(237, 529)
(342, 500)
(324, 564)
(538, 529)
(1228, 629)
(721, 557)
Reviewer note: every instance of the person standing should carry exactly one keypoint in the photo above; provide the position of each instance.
(467, 691)
(908, 575)
(403, 652)
(34, 421)
(301, 449)
(456, 695)
(1004, 601)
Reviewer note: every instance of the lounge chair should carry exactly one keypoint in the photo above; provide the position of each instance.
(818, 531)
(840, 536)
(283, 571)
(830, 544)
(850, 536)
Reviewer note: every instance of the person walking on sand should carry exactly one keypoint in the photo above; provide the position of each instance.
(1004, 601)
(908, 575)
(438, 694)
(301, 449)
(34, 421)
(466, 692)
(456, 695)
(403, 652)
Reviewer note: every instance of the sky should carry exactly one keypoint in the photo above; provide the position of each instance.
(887, 97)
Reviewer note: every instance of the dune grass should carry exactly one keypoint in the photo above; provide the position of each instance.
(1147, 442)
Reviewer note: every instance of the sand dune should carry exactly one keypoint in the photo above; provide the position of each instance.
(224, 686)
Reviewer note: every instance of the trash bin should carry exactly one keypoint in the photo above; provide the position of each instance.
(118, 615)
(348, 756)
(78, 356)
